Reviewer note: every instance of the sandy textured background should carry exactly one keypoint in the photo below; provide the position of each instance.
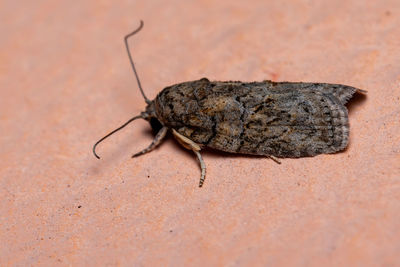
(65, 81)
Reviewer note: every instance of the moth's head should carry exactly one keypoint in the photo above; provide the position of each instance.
(150, 111)
(151, 116)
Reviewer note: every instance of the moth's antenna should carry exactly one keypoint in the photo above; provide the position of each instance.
(132, 64)
(116, 130)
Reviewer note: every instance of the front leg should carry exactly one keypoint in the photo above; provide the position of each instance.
(189, 144)
(157, 140)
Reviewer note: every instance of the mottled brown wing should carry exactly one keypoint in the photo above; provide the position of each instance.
(266, 118)
(342, 92)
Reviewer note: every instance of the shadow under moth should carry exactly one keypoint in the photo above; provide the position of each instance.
(274, 119)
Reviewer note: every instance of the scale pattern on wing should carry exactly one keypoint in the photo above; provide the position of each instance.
(261, 118)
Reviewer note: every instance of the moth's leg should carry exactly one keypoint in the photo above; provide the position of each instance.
(203, 168)
(186, 142)
(275, 159)
(157, 140)
(189, 144)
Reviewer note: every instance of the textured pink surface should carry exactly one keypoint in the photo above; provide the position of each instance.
(65, 80)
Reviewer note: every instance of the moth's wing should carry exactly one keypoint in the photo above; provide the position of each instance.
(258, 118)
(294, 123)
(340, 91)
(254, 119)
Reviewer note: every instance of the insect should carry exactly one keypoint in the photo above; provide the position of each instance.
(274, 119)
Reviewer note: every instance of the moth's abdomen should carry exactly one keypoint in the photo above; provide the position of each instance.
(258, 118)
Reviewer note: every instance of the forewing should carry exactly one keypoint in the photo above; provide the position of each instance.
(280, 119)
(295, 124)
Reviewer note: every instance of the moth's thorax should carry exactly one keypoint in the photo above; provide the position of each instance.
(162, 108)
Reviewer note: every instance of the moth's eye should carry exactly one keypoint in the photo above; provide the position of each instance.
(155, 124)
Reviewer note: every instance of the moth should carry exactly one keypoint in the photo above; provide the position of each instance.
(273, 119)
